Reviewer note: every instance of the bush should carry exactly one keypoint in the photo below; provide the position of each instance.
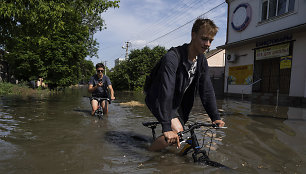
(20, 89)
(6, 88)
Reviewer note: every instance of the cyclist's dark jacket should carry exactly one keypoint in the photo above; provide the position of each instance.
(100, 91)
(166, 96)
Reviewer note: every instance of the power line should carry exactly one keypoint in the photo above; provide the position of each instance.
(186, 8)
(158, 29)
(164, 18)
(181, 11)
(179, 17)
(186, 23)
(176, 17)
(180, 37)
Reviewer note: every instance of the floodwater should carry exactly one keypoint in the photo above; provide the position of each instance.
(56, 134)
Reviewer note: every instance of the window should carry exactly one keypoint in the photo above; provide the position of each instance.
(272, 8)
(264, 10)
(291, 5)
(281, 9)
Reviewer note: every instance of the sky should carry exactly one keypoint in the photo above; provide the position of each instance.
(150, 23)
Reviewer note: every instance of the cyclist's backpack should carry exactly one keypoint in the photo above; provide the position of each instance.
(151, 77)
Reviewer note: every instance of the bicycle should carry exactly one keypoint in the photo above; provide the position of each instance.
(99, 112)
(192, 142)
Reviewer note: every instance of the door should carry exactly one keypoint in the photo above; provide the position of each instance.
(284, 85)
(270, 75)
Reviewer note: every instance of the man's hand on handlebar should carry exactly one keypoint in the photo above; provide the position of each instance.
(220, 123)
(171, 137)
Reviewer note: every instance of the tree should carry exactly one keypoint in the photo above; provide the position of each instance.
(119, 77)
(88, 69)
(131, 74)
(50, 39)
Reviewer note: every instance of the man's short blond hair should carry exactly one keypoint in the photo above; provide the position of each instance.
(208, 24)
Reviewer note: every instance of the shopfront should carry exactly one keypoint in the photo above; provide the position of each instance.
(272, 64)
(265, 49)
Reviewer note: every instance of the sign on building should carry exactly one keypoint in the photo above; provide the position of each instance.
(273, 51)
(240, 75)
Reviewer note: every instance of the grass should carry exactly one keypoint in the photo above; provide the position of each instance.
(20, 90)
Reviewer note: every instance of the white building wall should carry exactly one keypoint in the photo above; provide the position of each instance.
(245, 56)
(267, 28)
(258, 28)
(298, 72)
(217, 60)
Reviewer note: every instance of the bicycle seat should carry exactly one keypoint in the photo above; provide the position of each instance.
(150, 123)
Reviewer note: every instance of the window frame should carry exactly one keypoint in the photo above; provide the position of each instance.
(267, 9)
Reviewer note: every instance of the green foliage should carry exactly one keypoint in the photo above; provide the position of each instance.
(119, 77)
(21, 90)
(6, 88)
(88, 69)
(51, 39)
(131, 74)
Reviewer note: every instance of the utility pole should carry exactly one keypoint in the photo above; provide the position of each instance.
(126, 49)
(105, 67)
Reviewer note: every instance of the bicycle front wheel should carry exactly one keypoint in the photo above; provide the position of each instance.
(207, 161)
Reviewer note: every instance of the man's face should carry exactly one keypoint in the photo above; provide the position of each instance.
(202, 40)
(100, 71)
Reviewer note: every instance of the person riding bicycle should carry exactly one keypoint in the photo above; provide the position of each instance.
(99, 84)
(183, 72)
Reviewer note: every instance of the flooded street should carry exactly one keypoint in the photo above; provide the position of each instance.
(56, 134)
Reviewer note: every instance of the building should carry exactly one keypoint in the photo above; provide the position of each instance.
(118, 61)
(216, 63)
(265, 47)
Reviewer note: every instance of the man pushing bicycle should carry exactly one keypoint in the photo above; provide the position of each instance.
(183, 71)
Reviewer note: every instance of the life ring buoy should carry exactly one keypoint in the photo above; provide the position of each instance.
(241, 17)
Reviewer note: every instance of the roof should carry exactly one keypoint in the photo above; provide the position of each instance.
(213, 52)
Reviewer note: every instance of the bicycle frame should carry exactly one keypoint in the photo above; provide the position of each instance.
(192, 143)
(99, 112)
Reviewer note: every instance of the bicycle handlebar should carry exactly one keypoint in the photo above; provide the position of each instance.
(101, 99)
(150, 123)
(198, 125)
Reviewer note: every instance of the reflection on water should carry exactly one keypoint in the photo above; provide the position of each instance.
(56, 134)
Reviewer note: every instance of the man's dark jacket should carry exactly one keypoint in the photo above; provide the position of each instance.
(166, 95)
